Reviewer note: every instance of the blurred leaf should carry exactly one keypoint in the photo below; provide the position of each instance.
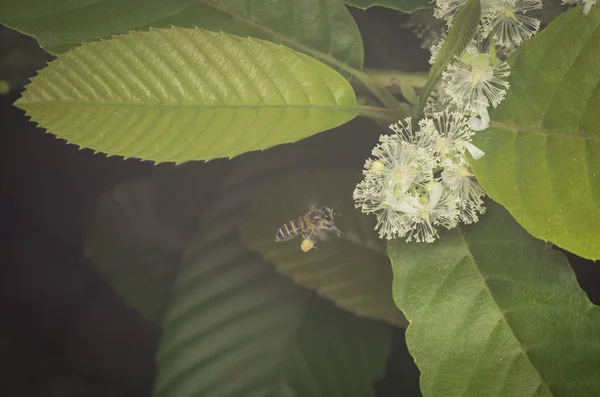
(20, 58)
(134, 247)
(237, 328)
(462, 31)
(542, 149)
(146, 223)
(322, 28)
(186, 94)
(353, 271)
(493, 311)
(406, 6)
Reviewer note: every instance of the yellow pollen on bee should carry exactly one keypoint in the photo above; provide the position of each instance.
(307, 245)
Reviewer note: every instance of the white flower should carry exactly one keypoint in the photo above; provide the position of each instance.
(587, 4)
(507, 19)
(447, 9)
(390, 223)
(461, 182)
(474, 81)
(479, 124)
(453, 136)
(418, 180)
(435, 50)
(426, 207)
(405, 132)
(396, 167)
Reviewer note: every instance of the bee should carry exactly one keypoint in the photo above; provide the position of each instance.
(310, 226)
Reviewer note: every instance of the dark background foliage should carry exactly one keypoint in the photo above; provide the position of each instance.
(63, 331)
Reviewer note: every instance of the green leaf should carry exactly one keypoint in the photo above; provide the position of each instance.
(322, 28)
(237, 328)
(542, 149)
(186, 94)
(493, 311)
(134, 247)
(462, 31)
(406, 6)
(353, 270)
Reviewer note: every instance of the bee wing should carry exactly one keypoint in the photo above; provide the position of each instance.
(321, 235)
(313, 203)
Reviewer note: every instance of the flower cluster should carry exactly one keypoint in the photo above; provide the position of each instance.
(506, 20)
(419, 180)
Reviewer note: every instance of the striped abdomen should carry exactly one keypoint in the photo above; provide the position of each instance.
(291, 229)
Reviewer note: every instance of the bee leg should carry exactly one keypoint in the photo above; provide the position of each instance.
(315, 245)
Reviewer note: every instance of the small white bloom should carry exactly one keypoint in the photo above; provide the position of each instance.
(426, 208)
(447, 9)
(475, 81)
(390, 223)
(453, 136)
(479, 124)
(587, 4)
(397, 166)
(460, 181)
(508, 20)
(405, 132)
(435, 50)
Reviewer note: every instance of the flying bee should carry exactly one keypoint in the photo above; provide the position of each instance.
(311, 226)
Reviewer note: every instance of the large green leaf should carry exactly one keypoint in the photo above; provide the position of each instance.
(406, 6)
(353, 270)
(186, 94)
(238, 328)
(542, 157)
(494, 312)
(323, 28)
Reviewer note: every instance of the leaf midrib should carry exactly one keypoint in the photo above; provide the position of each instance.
(541, 130)
(22, 103)
(522, 348)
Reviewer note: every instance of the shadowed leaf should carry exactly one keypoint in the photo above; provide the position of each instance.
(352, 270)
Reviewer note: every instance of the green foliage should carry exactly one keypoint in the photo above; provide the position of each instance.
(134, 247)
(493, 311)
(323, 28)
(237, 328)
(186, 94)
(353, 270)
(462, 31)
(406, 6)
(542, 157)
